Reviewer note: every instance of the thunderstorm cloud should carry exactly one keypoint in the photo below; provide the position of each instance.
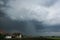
(31, 17)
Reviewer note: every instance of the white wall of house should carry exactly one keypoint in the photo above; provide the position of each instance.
(19, 36)
(8, 37)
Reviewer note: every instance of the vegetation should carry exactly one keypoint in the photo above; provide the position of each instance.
(32, 38)
(2, 37)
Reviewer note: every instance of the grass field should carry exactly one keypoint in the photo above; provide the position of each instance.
(34, 38)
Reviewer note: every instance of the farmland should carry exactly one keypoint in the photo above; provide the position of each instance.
(35, 38)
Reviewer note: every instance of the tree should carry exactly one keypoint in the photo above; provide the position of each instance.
(2, 36)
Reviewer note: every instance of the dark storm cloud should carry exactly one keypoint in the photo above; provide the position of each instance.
(29, 16)
(1, 13)
(26, 27)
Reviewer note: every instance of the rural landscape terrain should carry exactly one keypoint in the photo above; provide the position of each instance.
(19, 36)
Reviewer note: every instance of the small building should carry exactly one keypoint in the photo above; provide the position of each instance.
(17, 35)
(8, 36)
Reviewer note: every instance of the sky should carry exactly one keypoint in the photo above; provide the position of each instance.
(31, 17)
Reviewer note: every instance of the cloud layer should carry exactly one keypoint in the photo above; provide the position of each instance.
(37, 16)
(32, 9)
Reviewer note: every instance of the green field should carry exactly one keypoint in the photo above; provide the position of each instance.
(34, 38)
(55, 38)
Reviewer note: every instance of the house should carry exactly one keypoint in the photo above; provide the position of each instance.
(8, 36)
(17, 35)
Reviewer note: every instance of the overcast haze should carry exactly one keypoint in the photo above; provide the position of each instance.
(30, 17)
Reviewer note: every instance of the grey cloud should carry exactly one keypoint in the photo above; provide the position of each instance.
(26, 27)
(1, 14)
(47, 3)
(27, 16)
